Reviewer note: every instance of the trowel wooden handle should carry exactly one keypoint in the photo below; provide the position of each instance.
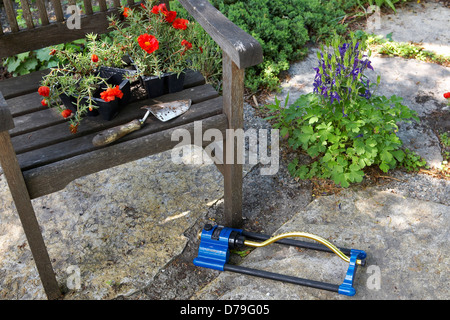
(110, 135)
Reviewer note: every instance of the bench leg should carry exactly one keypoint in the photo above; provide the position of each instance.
(233, 106)
(27, 216)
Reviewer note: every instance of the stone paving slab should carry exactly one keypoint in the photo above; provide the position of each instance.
(121, 227)
(403, 228)
(406, 241)
(115, 229)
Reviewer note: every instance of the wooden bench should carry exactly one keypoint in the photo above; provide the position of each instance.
(39, 155)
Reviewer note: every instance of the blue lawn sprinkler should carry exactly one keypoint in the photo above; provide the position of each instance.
(216, 242)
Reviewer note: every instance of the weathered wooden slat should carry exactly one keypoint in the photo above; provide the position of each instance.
(6, 120)
(27, 216)
(11, 15)
(27, 103)
(17, 86)
(116, 3)
(242, 48)
(31, 102)
(57, 9)
(53, 33)
(37, 120)
(233, 107)
(53, 177)
(26, 13)
(60, 132)
(42, 12)
(102, 4)
(87, 7)
(83, 144)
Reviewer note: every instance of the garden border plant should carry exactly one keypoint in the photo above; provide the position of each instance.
(408, 50)
(77, 79)
(343, 125)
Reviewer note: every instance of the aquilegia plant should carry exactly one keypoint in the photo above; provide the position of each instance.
(343, 125)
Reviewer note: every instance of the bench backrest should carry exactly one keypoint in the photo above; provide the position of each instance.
(42, 26)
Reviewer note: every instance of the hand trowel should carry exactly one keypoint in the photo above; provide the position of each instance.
(162, 111)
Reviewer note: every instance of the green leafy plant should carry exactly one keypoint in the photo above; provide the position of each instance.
(408, 50)
(156, 39)
(283, 28)
(31, 61)
(445, 142)
(77, 75)
(209, 62)
(343, 126)
(24, 63)
(381, 3)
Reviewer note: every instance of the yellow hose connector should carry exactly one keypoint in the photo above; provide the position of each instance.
(321, 240)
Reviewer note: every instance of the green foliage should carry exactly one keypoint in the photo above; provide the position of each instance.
(386, 3)
(24, 63)
(445, 144)
(76, 75)
(341, 145)
(27, 62)
(445, 139)
(209, 63)
(405, 50)
(283, 27)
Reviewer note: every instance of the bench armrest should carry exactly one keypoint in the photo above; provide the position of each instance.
(244, 50)
(6, 120)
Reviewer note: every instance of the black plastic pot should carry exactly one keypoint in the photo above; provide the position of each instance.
(174, 82)
(154, 86)
(167, 83)
(107, 110)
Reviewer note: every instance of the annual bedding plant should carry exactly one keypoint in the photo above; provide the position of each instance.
(343, 125)
(77, 76)
(157, 41)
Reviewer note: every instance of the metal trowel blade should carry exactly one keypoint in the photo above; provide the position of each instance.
(169, 110)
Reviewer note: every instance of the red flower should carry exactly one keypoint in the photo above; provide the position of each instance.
(160, 8)
(74, 128)
(66, 113)
(155, 9)
(94, 58)
(125, 12)
(52, 52)
(148, 42)
(187, 44)
(447, 95)
(180, 24)
(143, 6)
(170, 16)
(201, 49)
(110, 94)
(44, 91)
(44, 103)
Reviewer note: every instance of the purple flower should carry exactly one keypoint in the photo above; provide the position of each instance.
(348, 64)
(335, 96)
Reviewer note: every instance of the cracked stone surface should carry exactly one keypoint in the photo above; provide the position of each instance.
(130, 232)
